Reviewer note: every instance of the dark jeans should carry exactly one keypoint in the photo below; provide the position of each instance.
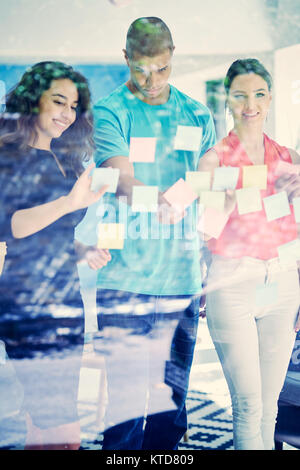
(148, 349)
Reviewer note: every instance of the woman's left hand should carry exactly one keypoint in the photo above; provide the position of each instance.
(81, 195)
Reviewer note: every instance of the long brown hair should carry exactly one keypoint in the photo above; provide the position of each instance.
(18, 121)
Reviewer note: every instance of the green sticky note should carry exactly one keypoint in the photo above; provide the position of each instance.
(214, 199)
(296, 205)
(225, 177)
(144, 198)
(248, 200)
(188, 138)
(277, 206)
(198, 180)
(289, 252)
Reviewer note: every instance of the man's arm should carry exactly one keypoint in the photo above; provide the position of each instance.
(166, 213)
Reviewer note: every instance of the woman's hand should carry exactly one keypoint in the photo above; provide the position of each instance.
(94, 256)
(81, 195)
(97, 258)
(290, 184)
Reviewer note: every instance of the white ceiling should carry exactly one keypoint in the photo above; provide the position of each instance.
(95, 30)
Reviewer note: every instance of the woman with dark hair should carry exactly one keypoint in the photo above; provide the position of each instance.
(252, 290)
(45, 136)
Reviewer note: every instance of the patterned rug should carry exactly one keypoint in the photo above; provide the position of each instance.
(210, 427)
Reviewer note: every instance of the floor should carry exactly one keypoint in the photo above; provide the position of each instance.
(208, 404)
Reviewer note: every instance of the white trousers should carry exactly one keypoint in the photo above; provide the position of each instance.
(251, 309)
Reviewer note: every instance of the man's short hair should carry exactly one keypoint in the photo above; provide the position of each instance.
(148, 36)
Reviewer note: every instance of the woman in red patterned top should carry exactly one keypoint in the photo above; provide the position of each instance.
(252, 285)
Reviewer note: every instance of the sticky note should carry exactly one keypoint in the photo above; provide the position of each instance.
(296, 205)
(212, 222)
(89, 381)
(283, 167)
(225, 177)
(214, 199)
(188, 138)
(266, 294)
(289, 252)
(180, 195)
(248, 200)
(111, 236)
(144, 198)
(255, 176)
(198, 180)
(142, 149)
(103, 176)
(276, 206)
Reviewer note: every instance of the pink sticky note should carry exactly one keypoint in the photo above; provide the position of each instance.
(142, 149)
(212, 222)
(286, 168)
(180, 195)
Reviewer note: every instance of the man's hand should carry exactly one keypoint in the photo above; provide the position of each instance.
(167, 214)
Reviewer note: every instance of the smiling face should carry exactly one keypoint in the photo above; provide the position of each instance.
(249, 100)
(149, 77)
(57, 111)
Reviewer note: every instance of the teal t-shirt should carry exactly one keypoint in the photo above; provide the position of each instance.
(156, 258)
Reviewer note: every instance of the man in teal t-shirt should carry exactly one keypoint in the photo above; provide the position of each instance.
(153, 134)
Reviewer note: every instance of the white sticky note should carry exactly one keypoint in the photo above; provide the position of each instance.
(296, 205)
(111, 236)
(276, 206)
(103, 176)
(225, 177)
(289, 252)
(248, 200)
(89, 381)
(188, 138)
(212, 222)
(198, 180)
(255, 176)
(144, 198)
(266, 294)
(142, 149)
(180, 195)
(214, 199)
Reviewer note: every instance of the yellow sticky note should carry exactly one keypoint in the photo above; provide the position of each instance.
(248, 200)
(255, 176)
(111, 236)
(198, 180)
(213, 199)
